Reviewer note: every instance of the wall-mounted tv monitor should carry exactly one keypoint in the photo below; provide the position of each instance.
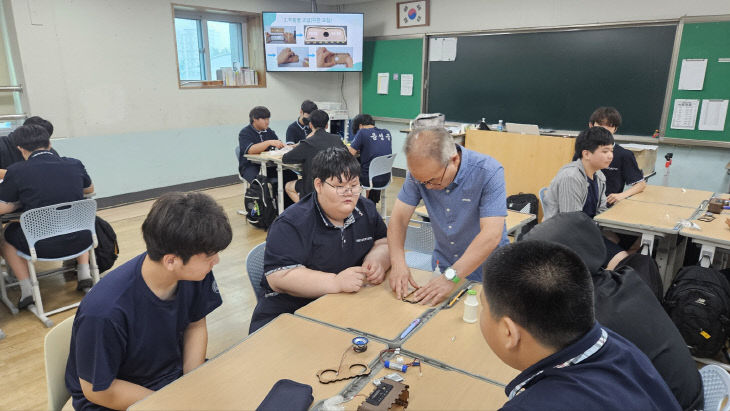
(313, 41)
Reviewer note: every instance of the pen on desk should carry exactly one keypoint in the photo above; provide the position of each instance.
(410, 328)
(453, 300)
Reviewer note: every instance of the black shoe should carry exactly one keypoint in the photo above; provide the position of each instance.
(84, 284)
(25, 302)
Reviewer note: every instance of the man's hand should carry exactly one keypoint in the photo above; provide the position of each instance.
(435, 291)
(348, 61)
(325, 58)
(375, 273)
(276, 143)
(399, 278)
(286, 55)
(289, 37)
(615, 197)
(351, 279)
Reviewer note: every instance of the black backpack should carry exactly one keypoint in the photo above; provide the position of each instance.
(524, 203)
(260, 203)
(107, 249)
(698, 302)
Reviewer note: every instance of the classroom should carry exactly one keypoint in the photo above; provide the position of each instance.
(145, 100)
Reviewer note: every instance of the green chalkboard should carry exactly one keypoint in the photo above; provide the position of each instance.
(555, 79)
(708, 40)
(403, 56)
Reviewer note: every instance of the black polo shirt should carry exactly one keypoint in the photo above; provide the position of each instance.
(297, 132)
(303, 236)
(306, 150)
(246, 138)
(44, 179)
(623, 171)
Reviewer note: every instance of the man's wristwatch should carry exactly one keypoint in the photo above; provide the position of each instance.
(450, 275)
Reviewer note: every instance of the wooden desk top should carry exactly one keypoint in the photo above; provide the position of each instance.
(716, 231)
(672, 196)
(514, 219)
(640, 215)
(447, 338)
(288, 347)
(438, 389)
(374, 310)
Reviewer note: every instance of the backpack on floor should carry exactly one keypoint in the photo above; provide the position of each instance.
(524, 203)
(107, 249)
(260, 203)
(698, 302)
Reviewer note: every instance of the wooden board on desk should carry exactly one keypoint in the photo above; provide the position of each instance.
(642, 215)
(673, 196)
(716, 231)
(447, 338)
(288, 347)
(374, 310)
(439, 389)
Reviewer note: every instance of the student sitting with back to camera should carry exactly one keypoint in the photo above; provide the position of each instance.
(581, 186)
(43, 179)
(305, 151)
(332, 241)
(299, 129)
(9, 153)
(538, 318)
(143, 326)
(370, 142)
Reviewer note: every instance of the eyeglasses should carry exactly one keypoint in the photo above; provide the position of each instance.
(425, 183)
(345, 190)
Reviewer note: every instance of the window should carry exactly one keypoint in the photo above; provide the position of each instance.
(213, 49)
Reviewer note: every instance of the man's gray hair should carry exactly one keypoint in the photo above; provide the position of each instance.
(435, 143)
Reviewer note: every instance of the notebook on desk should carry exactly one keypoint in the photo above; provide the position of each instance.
(522, 128)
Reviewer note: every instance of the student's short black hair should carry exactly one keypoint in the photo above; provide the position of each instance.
(258, 112)
(362, 120)
(590, 139)
(319, 118)
(41, 122)
(335, 162)
(308, 106)
(185, 224)
(606, 116)
(544, 287)
(31, 137)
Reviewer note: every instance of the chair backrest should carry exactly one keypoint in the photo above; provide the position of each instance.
(238, 152)
(541, 194)
(716, 387)
(56, 349)
(379, 166)
(255, 269)
(419, 237)
(58, 219)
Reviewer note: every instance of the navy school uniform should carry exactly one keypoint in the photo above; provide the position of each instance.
(45, 179)
(303, 237)
(297, 132)
(122, 330)
(247, 137)
(371, 143)
(600, 371)
(623, 171)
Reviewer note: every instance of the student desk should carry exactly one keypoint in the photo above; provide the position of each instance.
(514, 221)
(446, 338)
(711, 236)
(672, 196)
(439, 389)
(373, 310)
(266, 158)
(651, 220)
(288, 347)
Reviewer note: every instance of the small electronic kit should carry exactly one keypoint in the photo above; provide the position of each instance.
(325, 35)
(346, 371)
(398, 363)
(716, 205)
(387, 394)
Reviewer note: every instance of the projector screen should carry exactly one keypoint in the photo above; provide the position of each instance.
(313, 41)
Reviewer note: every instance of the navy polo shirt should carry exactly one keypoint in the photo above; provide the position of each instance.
(303, 236)
(44, 179)
(372, 142)
(623, 171)
(122, 330)
(588, 375)
(246, 138)
(297, 132)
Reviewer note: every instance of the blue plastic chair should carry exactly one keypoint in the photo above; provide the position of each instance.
(420, 244)
(255, 269)
(716, 387)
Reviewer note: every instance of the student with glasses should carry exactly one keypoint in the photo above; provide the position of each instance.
(331, 241)
(464, 193)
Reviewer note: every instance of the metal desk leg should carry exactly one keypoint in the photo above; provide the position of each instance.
(707, 254)
(280, 186)
(647, 244)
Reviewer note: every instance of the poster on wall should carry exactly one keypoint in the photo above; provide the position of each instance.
(313, 41)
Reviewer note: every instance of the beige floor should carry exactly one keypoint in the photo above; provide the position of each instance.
(22, 370)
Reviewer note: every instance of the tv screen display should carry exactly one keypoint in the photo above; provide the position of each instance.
(313, 41)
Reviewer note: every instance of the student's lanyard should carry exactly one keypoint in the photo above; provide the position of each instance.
(575, 360)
